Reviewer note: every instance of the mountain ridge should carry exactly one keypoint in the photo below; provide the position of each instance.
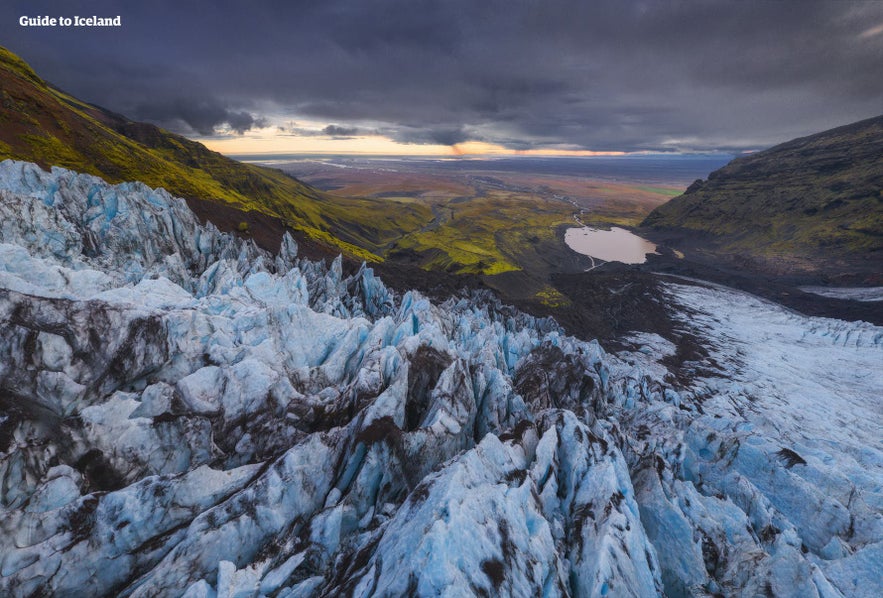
(812, 204)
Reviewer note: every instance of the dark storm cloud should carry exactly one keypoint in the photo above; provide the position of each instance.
(338, 131)
(604, 75)
(201, 116)
(439, 136)
(333, 131)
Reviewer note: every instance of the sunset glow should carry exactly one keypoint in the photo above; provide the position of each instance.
(268, 141)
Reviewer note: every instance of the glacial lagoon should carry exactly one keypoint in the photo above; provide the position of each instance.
(614, 245)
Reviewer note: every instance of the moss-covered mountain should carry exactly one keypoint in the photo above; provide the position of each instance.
(811, 204)
(42, 124)
(491, 235)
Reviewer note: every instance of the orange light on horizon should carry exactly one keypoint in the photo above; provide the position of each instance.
(481, 148)
(267, 143)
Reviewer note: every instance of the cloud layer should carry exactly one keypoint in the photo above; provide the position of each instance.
(601, 75)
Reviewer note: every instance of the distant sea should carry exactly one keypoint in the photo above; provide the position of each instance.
(678, 168)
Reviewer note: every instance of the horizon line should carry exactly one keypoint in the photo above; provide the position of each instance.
(641, 154)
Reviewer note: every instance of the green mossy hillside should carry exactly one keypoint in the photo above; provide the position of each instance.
(42, 124)
(814, 198)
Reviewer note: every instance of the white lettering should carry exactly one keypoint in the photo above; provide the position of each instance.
(44, 21)
(95, 21)
(76, 21)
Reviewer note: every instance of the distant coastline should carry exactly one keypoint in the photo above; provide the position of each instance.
(675, 168)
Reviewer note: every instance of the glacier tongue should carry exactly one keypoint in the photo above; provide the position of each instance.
(182, 413)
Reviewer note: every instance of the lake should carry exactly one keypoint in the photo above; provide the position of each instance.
(614, 245)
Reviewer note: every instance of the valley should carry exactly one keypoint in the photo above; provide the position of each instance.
(502, 222)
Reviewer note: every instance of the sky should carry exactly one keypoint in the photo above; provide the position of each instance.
(469, 76)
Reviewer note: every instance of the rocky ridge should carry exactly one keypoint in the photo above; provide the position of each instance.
(811, 207)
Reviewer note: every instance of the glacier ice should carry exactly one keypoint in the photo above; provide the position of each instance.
(183, 413)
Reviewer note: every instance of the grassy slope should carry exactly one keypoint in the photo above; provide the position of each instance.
(489, 234)
(815, 197)
(497, 224)
(41, 124)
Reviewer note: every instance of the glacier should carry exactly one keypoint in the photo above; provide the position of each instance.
(185, 414)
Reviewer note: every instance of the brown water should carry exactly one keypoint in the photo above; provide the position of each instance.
(614, 245)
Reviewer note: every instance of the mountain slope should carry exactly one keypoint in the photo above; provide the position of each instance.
(810, 204)
(44, 125)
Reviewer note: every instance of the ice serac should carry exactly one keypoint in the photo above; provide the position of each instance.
(182, 413)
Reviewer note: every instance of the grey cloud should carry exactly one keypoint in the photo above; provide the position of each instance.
(196, 115)
(335, 131)
(435, 136)
(614, 75)
(338, 131)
